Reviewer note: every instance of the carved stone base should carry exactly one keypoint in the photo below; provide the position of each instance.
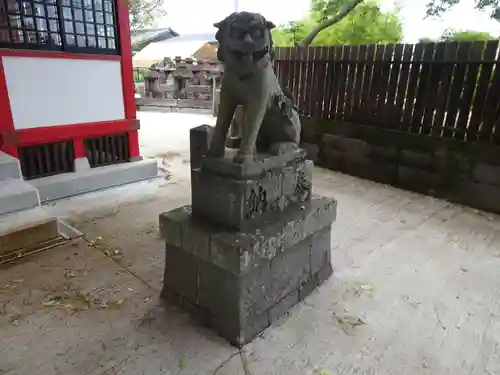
(239, 283)
(239, 196)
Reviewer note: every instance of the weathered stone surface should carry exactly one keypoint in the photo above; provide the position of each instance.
(171, 225)
(239, 307)
(240, 203)
(270, 116)
(181, 273)
(317, 279)
(475, 194)
(415, 159)
(264, 163)
(418, 180)
(284, 306)
(199, 138)
(246, 280)
(239, 252)
(486, 173)
(320, 250)
(349, 146)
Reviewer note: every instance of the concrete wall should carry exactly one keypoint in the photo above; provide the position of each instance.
(61, 91)
(457, 171)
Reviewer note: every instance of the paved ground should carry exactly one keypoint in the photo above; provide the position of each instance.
(416, 288)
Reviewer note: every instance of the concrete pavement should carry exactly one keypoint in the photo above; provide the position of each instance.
(416, 287)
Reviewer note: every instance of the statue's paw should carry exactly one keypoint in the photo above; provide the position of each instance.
(215, 152)
(242, 158)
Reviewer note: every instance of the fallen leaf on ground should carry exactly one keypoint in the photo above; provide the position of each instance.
(14, 319)
(348, 322)
(69, 274)
(182, 364)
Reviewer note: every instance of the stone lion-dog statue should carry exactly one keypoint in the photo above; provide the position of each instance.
(271, 123)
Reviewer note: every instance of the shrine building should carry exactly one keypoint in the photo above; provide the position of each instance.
(67, 109)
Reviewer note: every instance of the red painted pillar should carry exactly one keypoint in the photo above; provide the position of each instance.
(6, 120)
(79, 148)
(133, 140)
(127, 73)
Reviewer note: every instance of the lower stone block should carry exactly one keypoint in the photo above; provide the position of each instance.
(247, 280)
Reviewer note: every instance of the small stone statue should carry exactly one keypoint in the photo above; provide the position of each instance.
(272, 124)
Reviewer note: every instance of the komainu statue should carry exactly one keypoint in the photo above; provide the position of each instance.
(271, 122)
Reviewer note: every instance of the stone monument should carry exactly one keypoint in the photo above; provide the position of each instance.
(255, 241)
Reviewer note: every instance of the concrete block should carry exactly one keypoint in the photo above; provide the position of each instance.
(487, 173)
(418, 180)
(308, 287)
(240, 203)
(69, 184)
(478, 195)
(283, 307)
(28, 235)
(17, 195)
(420, 160)
(345, 145)
(200, 138)
(331, 159)
(251, 277)
(82, 164)
(9, 167)
(381, 171)
(181, 273)
(320, 250)
(388, 154)
(263, 164)
(239, 252)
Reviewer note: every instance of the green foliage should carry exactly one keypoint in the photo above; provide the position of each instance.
(465, 36)
(436, 8)
(366, 24)
(451, 35)
(142, 13)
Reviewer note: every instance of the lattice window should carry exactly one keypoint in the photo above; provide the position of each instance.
(108, 149)
(46, 159)
(87, 26)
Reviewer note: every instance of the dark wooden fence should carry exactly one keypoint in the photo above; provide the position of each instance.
(425, 117)
(449, 90)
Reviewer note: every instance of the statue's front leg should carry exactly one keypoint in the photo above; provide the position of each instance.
(254, 115)
(227, 106)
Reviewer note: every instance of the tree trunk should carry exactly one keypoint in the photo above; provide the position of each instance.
(329, 22)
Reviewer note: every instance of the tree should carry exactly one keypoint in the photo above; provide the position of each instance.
(142, 13)
(451, 35)
(465, 36)
(367, 24)
(438, 7)
(330, 12)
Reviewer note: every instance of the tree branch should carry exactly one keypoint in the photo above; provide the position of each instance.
(329, 22)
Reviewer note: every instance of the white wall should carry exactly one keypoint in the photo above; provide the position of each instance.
(55, 91)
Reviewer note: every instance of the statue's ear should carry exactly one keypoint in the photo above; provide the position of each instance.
(270, 25)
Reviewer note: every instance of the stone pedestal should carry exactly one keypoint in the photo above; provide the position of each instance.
(253, 243)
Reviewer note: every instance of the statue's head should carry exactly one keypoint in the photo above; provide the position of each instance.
(244, 40)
